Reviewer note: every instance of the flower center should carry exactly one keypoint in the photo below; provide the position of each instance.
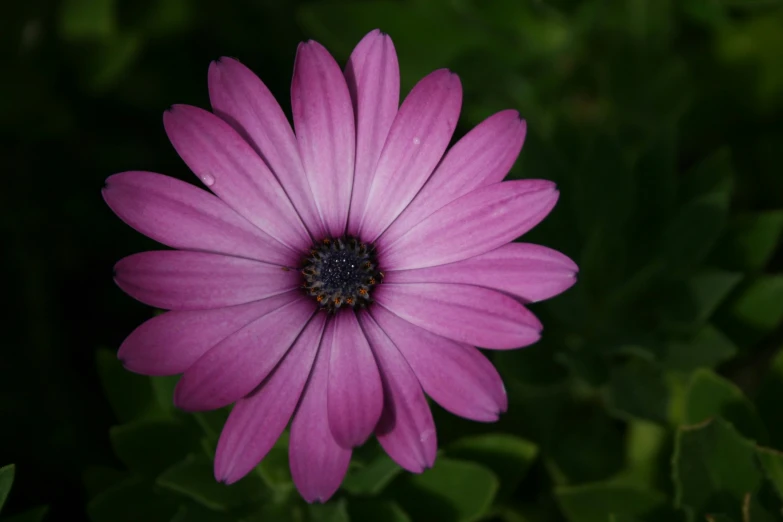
(341, 272)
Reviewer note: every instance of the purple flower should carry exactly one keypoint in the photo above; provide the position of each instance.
(339, 273)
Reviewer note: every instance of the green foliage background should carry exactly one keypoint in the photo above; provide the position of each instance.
(654, 394)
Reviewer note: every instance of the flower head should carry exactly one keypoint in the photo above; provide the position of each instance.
(334, 274)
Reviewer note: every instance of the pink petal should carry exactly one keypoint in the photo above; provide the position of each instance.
(457, 376)
(406, 429)
(238, 364)
(530, 272)
(373, 76)
(471, 225)
(241, 98)
(185, 280)
(323, 119)
(183, 216)
(232, 170)
(469, 314)
(482, 157)
(170, 343)
(355, 392)
(416, 143)
(318, 463)
(257, 421)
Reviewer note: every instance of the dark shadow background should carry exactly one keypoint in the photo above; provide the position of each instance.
(623, 101)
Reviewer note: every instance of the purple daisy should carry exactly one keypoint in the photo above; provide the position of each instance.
(341, 270)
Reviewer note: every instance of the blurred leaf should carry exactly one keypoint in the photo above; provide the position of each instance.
(712, 13)
(376, 510)
(768, 401)
(603, 200)
(704, 292)
(158, 17)
(718, 518)
(644, 446)
(760, 306)
(194, 478)
(372, 478)
(433, 37)
(129, 394)
(98, 479)
(638, 389)
(772, 463)
(6, 481)
(508, 456)
(274, 467)
(335, 511)
(714, 469)
(693, 230)
(587, 446)
(751, 240)
(106, 64)
(533, 366)
(754, 40)
(131, 501)
(452, 491)
(196, 513)
(212, 422)
(87, 19)
(163, 390)
(656, 175)
(151, 446)
(594, 502)
(31, 515)
(708, 347)
(709, 395)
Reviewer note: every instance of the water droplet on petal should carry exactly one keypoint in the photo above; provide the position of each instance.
(416, 141)
(208, 179)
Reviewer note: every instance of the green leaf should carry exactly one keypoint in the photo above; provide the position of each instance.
(509, 457)
(588, 446)
(163, 391)
(768, 401)
(131, 501)
(372, 478)
(151, 446)
(376, 510)
(98, 479)
(335, 511)
(6, 481)
(637, 390)
(452, 491)
(130, 395)
(645, 445)
(714, 468)
(36, 514)
(707, 348)
(212, 422)
(695, 228)
(105, 65)
(603, 203)
(87, 19)
(772, 463)
(711, 13)
(704, 292)
(427, 38)
(718, 518)
(760, 306)
(709, 395)
(194, 478)
(594, 502)
(197, 513)
(751, 240)
(274, 469)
